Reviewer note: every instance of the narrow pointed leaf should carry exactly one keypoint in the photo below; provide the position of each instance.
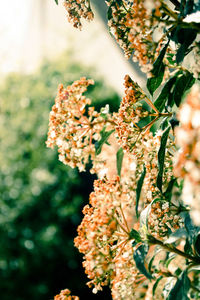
(161, 157)
(157, 72)
(183, 83)
(120, 155)
(180, 289)
(139, 258)
(156, 284)
(134, 234)
(168, 192)
(163, 97)
(138, 190)
(104, 137)
(154, 82)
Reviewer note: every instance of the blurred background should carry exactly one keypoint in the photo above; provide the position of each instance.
(40, 198)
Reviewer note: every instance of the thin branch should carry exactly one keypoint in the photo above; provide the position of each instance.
(169, 248)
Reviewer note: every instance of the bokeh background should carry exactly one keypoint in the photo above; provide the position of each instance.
(40, 198)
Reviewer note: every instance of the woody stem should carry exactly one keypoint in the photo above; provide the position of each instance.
(170, 248)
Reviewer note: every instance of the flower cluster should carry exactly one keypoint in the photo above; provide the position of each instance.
(72, 127)
(65, 295)
(103, 228)
(129, 114)
(129, 22)
(187, 164)
(137, 203)
(163, 219)
(128, 283)
(78, 9)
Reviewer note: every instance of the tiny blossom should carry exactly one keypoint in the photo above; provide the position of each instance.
(78, 9)
(65, 295)
(72, 128)
(187, 160)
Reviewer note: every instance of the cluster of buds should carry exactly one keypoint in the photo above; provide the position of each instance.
(65, 295)
(163, 219)
(73, 126)
(78, 9)
(187, 164)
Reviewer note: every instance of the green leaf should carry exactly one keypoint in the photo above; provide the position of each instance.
(197, 244)
(56, 1)
(183, 83)
(162, 98)
(168, 192)
(104, 137)
(168, 287)
(171, 257)
(158, 72)
(185, 36)
(120, 155)
(181, 288)
(156, 284)
(192, 230)
(139, 258)
(109, 13)
(154, 82)
(138, 189)
(134, 234)
(177, 235)
(157, 250)
(188, 9)
(157, 63)
(161, 157)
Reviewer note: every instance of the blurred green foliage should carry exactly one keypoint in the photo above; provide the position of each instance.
(41, 199)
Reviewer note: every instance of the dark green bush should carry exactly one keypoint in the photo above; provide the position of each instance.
(41, 199)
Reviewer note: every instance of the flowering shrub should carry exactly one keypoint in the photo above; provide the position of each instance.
(140, 233)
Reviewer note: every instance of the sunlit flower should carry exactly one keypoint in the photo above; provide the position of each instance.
(130, 23)
(78, 9)
(65, 295)
(104, 230)
(74, 126)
